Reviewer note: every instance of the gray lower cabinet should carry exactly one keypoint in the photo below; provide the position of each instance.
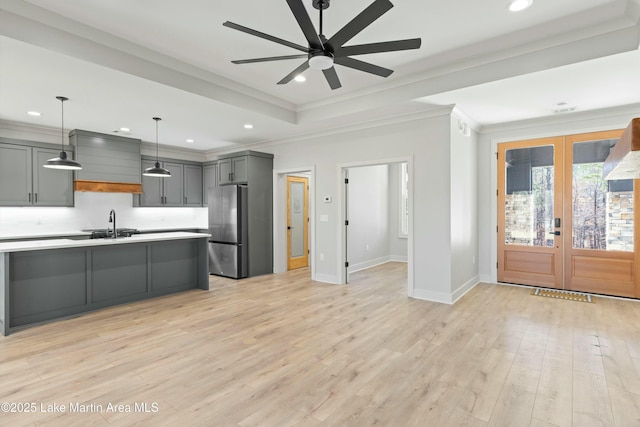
(24, 182)
(49, 284)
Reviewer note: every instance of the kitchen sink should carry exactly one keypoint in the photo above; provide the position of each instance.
(105, 233)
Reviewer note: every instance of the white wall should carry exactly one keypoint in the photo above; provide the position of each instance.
(424, 139)
(573, 123)
(464, 206)
(368, 231)
(397, 244)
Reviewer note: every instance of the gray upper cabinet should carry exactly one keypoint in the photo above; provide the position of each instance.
(182, 188)
(24, 182)
(51, 187)
(192, 185)
(209, 181)
(173, 186)
(233, 170)
(106, 157)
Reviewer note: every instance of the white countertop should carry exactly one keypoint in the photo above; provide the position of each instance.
(36, 245)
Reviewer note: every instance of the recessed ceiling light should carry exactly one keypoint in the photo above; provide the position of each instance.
(191, 140)
(248, 126)
(563, 107)
(518, 5)
(125, 130)
(34, 113)
(300, 78)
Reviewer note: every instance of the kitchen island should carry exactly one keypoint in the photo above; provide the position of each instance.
(42, 280)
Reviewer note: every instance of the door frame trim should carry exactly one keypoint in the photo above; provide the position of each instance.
(280, 217)
(340, 200)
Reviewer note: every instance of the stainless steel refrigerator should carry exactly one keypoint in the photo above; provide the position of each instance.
(228, 244)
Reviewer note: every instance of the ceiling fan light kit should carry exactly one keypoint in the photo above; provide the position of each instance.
(322, 53)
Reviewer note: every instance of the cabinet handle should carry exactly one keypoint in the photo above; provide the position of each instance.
(35, 197)
(29, 197)
(185, 200)
(230, 179)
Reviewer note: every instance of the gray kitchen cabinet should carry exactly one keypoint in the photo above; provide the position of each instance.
(24, 182)
(162, 191)
(233, 170)
(255, 170)
(193, 185)
(209, 181)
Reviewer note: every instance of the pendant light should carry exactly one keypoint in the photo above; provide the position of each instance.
(156, 170)
(62, 162)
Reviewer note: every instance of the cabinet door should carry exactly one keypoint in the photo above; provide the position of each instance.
(192, 185)
(151, 187)
(224, 172)
(51, 187)
(240, 166)
(15, 175)
(210, 180)
(173, 185)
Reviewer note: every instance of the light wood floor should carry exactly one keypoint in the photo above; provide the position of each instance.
(281, 350)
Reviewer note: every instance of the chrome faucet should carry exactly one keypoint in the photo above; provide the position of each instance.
(112, 219)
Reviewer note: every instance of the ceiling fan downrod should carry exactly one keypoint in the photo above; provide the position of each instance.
(321, 5)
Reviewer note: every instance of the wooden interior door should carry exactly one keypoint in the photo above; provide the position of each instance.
(297, 222)
(599, 220)
(529, 206)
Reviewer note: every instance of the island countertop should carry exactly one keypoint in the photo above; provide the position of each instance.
(35, 245)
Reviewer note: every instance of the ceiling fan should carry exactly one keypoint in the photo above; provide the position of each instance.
(323, 53)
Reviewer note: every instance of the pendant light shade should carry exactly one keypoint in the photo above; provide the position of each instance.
(62, 162)
(156, 170)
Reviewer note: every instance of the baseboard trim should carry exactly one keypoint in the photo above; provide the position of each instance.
(462, 290)
(327, 278)
(398, 258)
(446, 298)
(368, 264)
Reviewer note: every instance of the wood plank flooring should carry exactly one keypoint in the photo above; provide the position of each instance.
(281, 350)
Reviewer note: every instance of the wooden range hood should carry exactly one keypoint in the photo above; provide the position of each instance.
(107, 187)
(623, 161)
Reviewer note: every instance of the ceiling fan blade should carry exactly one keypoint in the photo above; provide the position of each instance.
(363, 66)
(332, 78)
(360, 22)
(301, 15)
(294, 73)
(262, 35)
(390, 46)
(271, 58)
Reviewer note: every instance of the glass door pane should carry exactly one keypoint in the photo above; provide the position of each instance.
(602, 210)
(529, 196)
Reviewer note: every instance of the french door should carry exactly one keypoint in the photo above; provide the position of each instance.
(560, 224)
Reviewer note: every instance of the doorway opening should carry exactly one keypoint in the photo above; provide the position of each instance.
(376, 213)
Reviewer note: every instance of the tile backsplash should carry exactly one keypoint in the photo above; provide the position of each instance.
(92, 211)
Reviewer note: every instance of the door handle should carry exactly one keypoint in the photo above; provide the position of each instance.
(555, 233)
(289, 228)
